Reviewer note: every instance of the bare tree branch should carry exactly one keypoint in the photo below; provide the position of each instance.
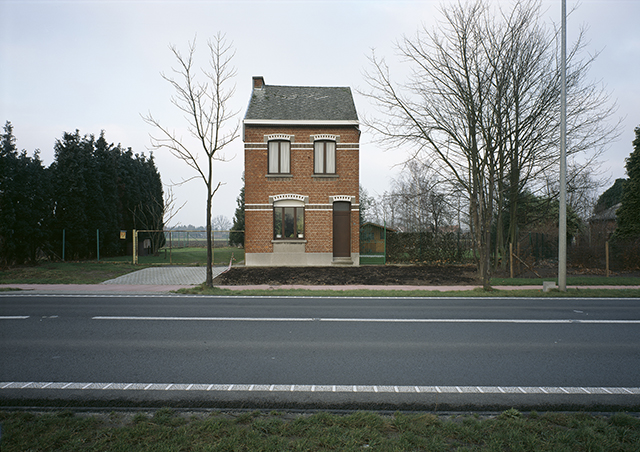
(203, 96)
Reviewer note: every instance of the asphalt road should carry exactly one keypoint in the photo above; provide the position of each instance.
(320, 352)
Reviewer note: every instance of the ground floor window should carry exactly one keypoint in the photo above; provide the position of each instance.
(288, 223)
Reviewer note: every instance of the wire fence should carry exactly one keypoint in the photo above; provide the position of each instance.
(379, 245)
(186, 246)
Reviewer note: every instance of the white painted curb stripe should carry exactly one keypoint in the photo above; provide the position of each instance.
(323, 388)
(370, 320)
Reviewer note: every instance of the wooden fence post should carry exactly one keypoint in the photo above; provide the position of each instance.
(511, 259)
(606, 257)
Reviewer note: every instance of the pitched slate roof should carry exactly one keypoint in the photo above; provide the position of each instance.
(301, 103)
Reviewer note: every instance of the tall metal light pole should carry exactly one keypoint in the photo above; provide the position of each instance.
(562, 221)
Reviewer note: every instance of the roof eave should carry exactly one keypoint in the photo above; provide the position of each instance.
(301, 122)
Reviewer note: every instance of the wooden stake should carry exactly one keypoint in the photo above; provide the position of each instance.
(511, 259)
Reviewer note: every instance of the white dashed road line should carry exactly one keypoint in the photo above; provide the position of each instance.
(487, 390)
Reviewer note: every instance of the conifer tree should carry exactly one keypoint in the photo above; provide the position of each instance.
(24, 202)
(629, 213)
(237, 238)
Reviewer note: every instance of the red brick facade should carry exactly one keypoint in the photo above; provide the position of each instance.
(318, 191)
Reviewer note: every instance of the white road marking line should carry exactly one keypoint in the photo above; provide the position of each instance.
(206, 319)
(369, 320)
(487, 390)
(14, 317)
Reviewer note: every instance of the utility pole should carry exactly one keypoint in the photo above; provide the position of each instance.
(562, 221)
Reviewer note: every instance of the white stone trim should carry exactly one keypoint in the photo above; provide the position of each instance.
(289, 197)
(338, 198)
(278, 136)
(300, 143)
(325, 136)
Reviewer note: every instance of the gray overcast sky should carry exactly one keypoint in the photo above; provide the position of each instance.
(95, 65)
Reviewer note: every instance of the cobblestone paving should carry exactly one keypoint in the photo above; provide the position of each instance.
(166, 276)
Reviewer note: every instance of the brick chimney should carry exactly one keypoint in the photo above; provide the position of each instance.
(258, 82)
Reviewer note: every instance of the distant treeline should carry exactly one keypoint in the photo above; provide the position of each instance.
(91, 185)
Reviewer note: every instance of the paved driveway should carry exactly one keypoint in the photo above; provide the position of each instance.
(166, 276)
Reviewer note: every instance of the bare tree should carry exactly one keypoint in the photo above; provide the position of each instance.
(420, 203)
(221, 223)
(442, 112)
(482, 100)
(205, 104)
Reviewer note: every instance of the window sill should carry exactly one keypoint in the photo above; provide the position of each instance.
(326, 176)
(289, 241)
(279, 176)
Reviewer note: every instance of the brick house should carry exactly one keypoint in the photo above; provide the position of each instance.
(301, 157)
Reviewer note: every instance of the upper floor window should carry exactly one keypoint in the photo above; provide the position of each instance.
(324, 157)
(279, 157)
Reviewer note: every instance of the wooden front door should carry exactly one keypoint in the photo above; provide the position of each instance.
(341, 229)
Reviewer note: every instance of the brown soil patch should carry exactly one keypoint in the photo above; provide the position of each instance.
(422, 275)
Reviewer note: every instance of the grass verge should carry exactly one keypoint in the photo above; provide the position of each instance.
(166, 430)
(597, 293)
(67, 273)
(571, 281)
(191, 256)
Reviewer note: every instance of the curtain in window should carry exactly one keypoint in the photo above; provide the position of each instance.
(274, 151)
(285, 157)
(331, 157)
(318, 158)
(324, 159)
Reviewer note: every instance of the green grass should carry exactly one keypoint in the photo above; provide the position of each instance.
(192, 256)
(371, 260)
(66, 273)
(166, 430)
(600, 293)
(571, 281)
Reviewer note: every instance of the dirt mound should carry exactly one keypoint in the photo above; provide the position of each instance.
(422, 275)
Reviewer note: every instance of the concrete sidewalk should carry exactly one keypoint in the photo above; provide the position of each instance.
(166, 276)
(147, 280)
